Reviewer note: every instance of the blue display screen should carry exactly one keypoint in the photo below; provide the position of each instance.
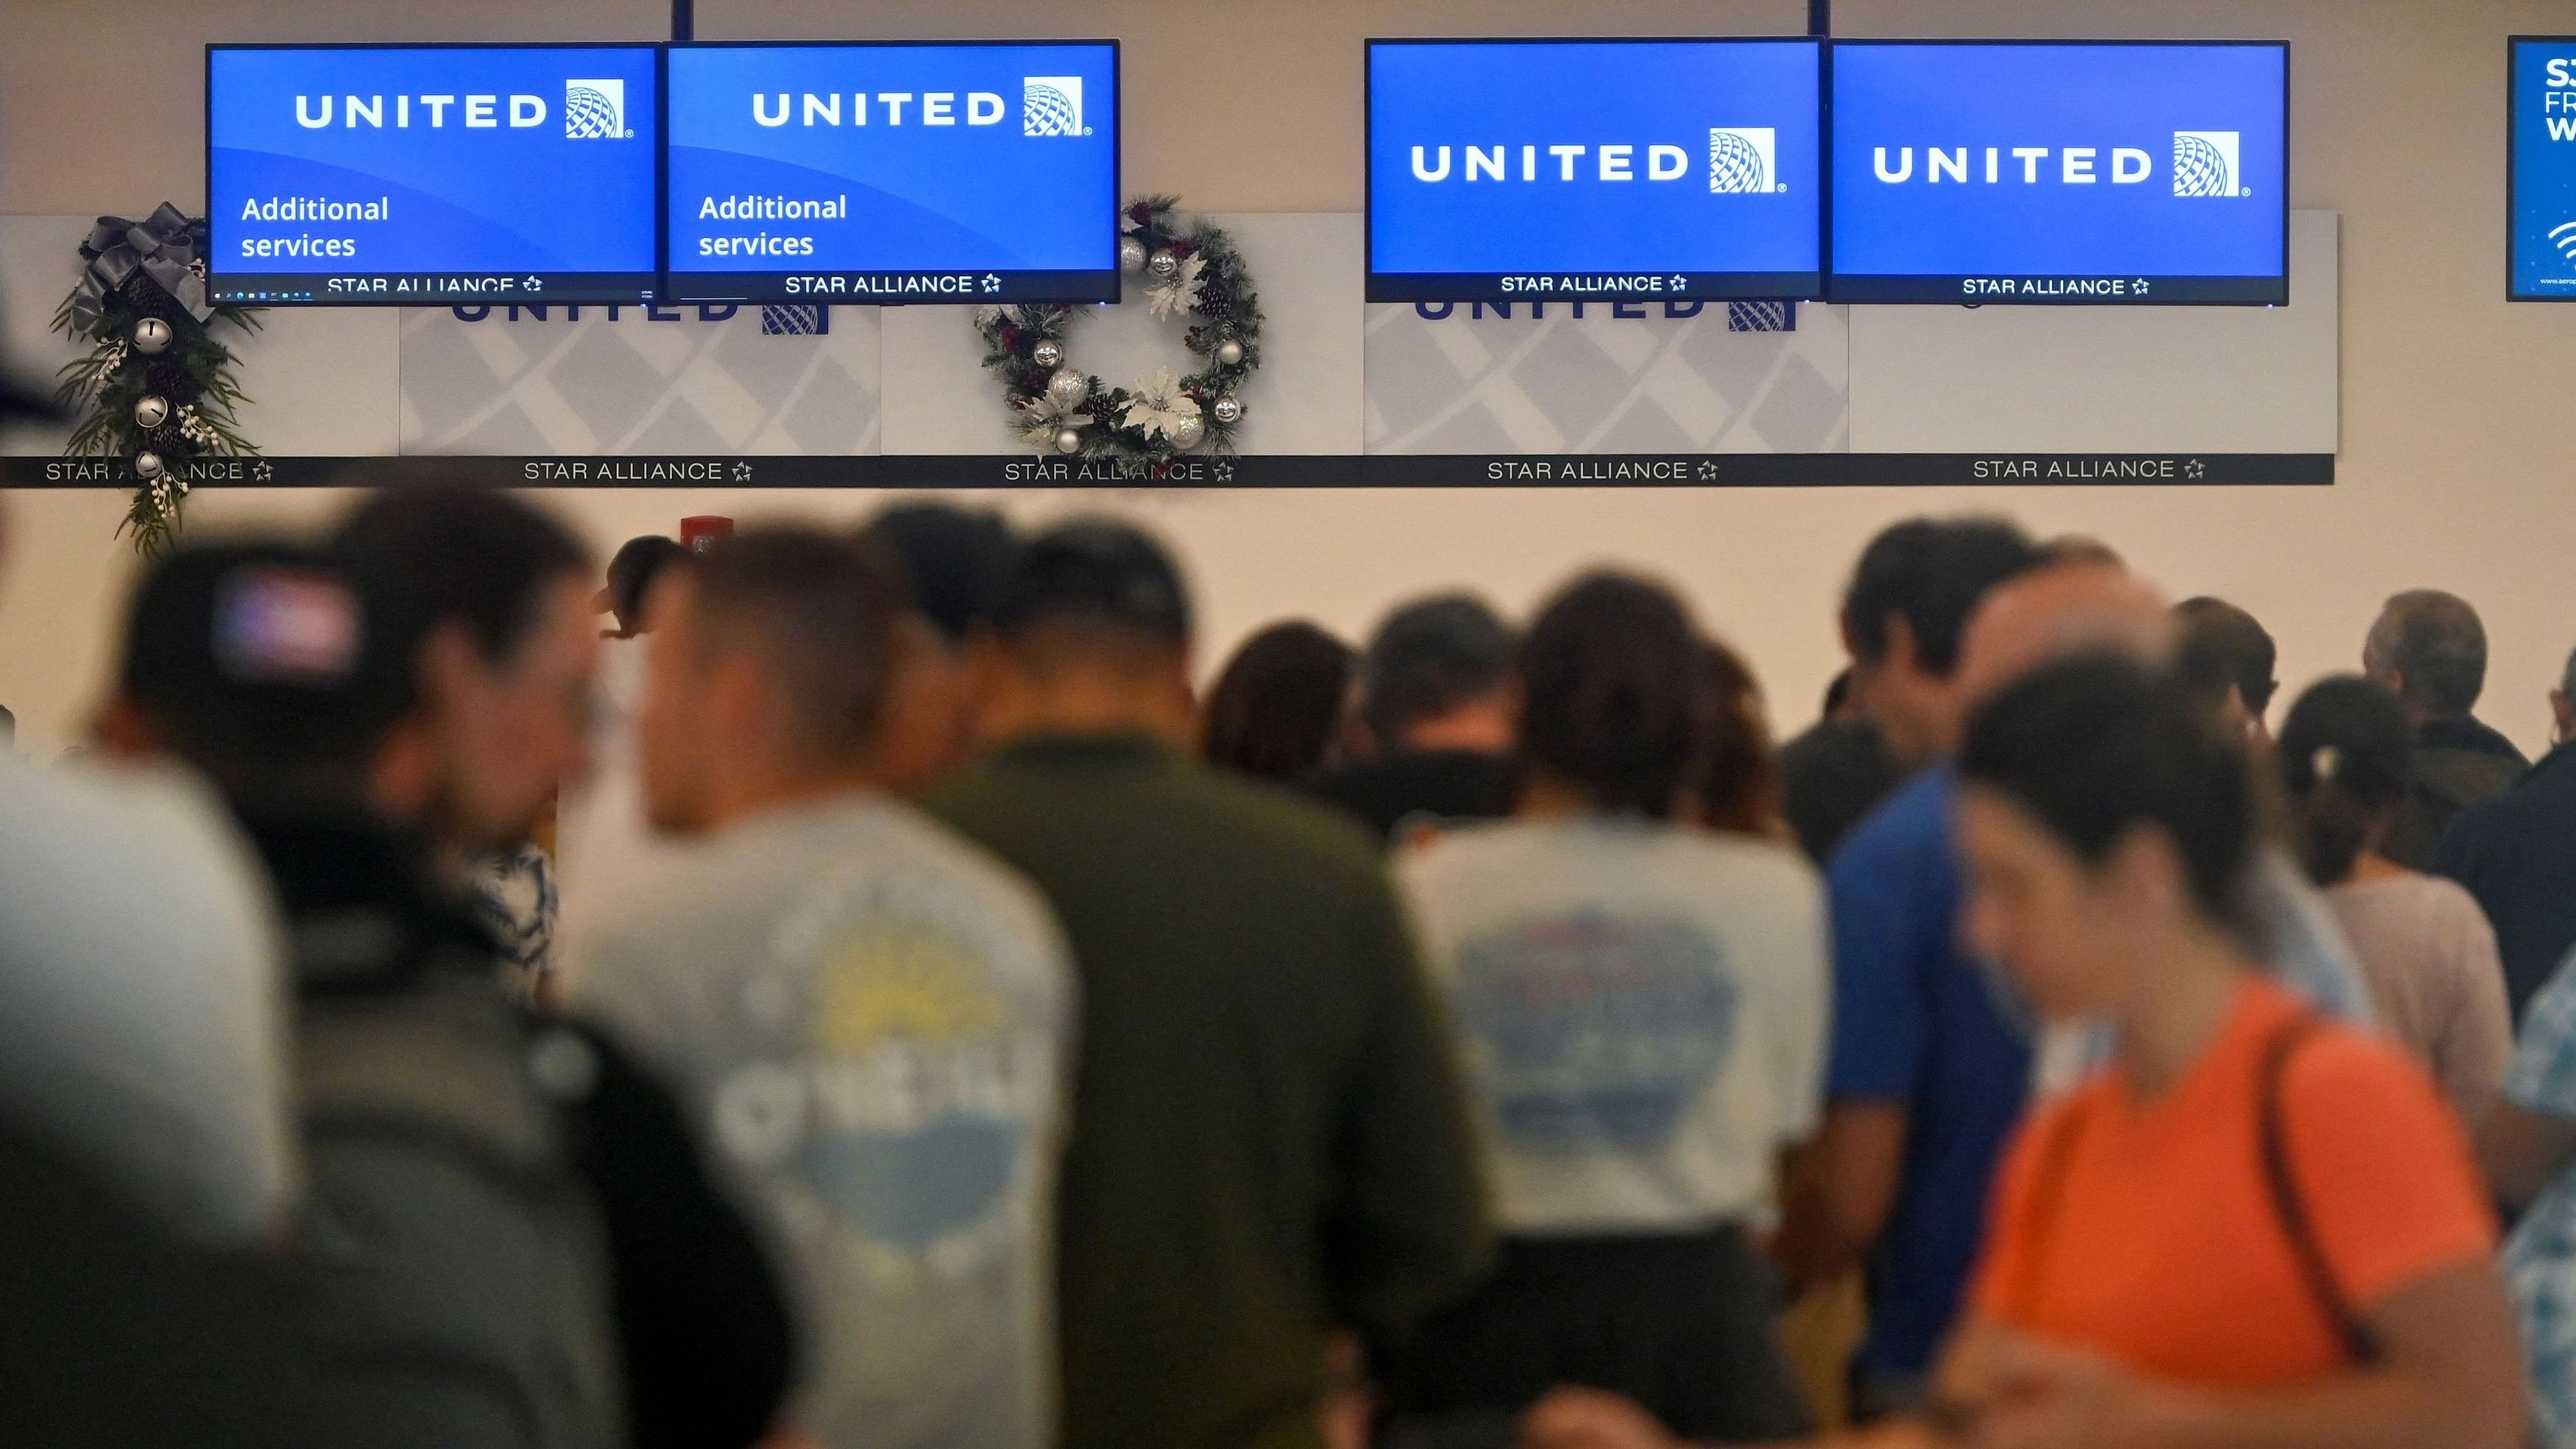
(431, 174)
(2034, 173)
(1583, 170)
(894, 173)
(2542, 200)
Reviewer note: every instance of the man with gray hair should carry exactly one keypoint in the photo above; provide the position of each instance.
(2517, 854)
(2429, 650)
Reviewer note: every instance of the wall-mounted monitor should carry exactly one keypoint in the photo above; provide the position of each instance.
(1594, 170)
(2540, 171)
(895, 173)
(2059, 172)
(430, 175)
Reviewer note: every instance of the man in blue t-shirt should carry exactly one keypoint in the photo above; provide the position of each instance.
(1927, 1073)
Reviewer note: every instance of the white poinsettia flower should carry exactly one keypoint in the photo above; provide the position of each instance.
(1041, 420)
(1181, 293)
(1159, 406)
(987, 316)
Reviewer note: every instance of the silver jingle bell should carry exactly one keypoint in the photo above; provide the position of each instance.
(1164, 266)
(151, 411)
(1230, 352)
(1131, 254)
(1067, 389)
(1068, 441)
(148, 464)
(1188, 433)
(1229, 409)
(151, 335)
(1049, 355)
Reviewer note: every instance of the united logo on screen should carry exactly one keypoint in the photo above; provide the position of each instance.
(595, 110)
(1740, 159)
(2205, 164)
(1051, 105)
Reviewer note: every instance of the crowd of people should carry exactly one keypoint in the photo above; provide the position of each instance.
(852, 991)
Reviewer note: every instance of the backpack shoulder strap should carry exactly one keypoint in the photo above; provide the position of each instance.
(2289, 1204)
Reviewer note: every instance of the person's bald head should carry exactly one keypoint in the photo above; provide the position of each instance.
(2056, 612)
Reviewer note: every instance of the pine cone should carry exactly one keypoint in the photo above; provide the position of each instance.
(172, 380)
(148, 300)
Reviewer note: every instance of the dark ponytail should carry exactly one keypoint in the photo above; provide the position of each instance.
(1613, 697)
(2345, 756)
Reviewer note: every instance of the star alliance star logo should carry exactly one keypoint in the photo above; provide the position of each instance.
(741, 472)
(2195, 470)
(1708, 471)
(261, 472)
(1221, 471)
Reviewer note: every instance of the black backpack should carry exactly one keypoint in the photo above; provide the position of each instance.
(458, 1282)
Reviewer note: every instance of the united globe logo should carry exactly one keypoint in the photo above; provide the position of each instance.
(595, 110)
(1051, 105)
(2205, 164)
(1741, 159)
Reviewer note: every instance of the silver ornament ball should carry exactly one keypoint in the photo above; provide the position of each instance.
(151, 411)
(1131, 254)
(1230, 352)
(1068, 441)
(151, 335)
(1229, 409)
(1067, 389)
(148, 464)
(1049, 355)
(1188, 433)
(1164, 266)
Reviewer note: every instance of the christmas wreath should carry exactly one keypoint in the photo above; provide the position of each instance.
(156, 387)
(1191, 273)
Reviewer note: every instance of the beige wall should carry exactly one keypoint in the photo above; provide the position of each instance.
(2456, 414)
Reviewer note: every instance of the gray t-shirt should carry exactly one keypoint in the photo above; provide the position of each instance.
(871, 1019)
(1642, 1014)
(142, 995)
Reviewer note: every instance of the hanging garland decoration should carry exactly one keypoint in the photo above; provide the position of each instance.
(1191, 273)
(156, 388)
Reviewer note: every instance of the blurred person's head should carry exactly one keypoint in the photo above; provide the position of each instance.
(1438, 676)
(1615, 704)
(2428, 648)
(2346, 757)
(951, 561)
(489, 600)
(2080, 548)
(1902, 617)
(2228, 656)
(1734, 785)
(2057, 612)
(2109, 826)
(1276, 708)
(631, 572)
(262, 666)
(771, 660)
(1091, 636)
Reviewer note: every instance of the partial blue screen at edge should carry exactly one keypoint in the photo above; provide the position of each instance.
(1501, 97)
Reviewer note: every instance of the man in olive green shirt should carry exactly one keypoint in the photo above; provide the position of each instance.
(1268, 1137)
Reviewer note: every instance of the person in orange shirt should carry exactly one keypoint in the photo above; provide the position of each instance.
(2255, 1228)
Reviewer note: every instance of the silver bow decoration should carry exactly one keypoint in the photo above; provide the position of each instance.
(162, 246)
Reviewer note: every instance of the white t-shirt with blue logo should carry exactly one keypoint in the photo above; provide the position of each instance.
(871, 1021)
(1641, 1010)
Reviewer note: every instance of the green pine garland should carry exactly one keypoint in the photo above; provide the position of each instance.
(193, 375)
(1118, 422)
